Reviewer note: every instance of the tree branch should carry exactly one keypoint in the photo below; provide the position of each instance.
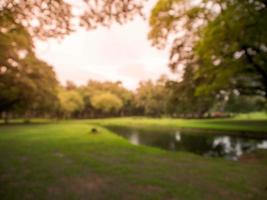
(258, 68)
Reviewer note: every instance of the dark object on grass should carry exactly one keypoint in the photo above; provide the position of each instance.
(94, 130)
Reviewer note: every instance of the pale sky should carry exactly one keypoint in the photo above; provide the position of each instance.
(121, 52)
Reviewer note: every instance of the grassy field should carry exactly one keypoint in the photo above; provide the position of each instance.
(64, 160)
(255, 126)
(253, 115)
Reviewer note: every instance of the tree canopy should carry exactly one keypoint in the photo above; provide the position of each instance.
(70, 102)
(46, 18)
(223, 41)
(107, 102)
(26, 82)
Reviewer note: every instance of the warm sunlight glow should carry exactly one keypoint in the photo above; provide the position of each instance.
(121, 52)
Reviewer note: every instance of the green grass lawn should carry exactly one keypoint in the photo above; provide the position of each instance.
(255, 126)
(65, 161)
(253, 115)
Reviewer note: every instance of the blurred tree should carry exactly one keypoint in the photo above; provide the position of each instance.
(32, 89)
(26, 83)
(107, 102)
(37, 85)
(223, 41)
(46, 18)
(15, 44)
(182, 99)
(235, 42)
(71, 102)
(94, 88)
(70, 85)
(152, 97)
(244, 104)
(116, 88)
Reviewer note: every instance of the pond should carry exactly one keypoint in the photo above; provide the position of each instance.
(229, 146)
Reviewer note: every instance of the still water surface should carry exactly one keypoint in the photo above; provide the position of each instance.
(229, 146)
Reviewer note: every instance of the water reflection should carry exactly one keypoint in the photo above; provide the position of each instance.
(214, 145)
(178, 136)
(262, 145)
(134, 138)
(230, 147)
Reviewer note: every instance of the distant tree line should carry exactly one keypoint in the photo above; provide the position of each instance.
(47, 98)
